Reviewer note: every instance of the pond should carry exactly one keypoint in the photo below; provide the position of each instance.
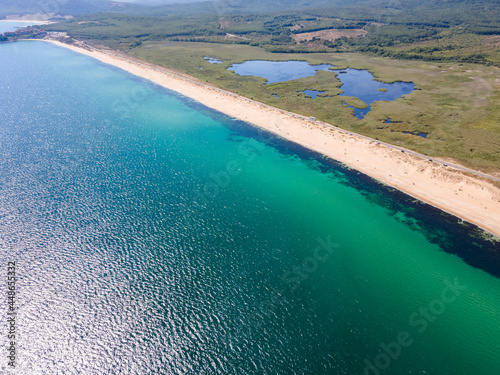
(359, 112)
(362, 84)
(420, 134)
(355, 82)
(212, 60)
(311, 94)
(277, 71)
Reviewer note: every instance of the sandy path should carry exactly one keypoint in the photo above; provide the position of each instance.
(473, 199)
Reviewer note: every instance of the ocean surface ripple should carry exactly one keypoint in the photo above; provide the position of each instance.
(137, 252)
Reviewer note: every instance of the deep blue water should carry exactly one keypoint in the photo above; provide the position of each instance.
(361, 84)
(153, 235)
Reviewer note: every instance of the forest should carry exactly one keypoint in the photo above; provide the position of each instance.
(449, 49)
(453, 30)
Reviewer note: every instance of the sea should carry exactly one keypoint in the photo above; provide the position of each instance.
(149, 234)
(14, 25)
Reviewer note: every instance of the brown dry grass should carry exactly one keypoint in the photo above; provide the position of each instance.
(331, 34)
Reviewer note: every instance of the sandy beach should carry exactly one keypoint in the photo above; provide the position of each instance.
(473, 199)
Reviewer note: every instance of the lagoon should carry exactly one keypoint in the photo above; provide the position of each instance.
(356, 83)
(155, 235)
(277, 71)
(362, 84)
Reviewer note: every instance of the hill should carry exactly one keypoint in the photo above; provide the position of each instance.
(58, 7)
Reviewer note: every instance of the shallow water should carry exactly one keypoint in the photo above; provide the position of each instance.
(153, 235)
(359, 112)
(420, 134)
(313, 93)
(212, 60)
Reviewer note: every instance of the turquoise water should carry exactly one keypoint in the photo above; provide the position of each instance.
(153, 235)
(14, 25)
(357, 83)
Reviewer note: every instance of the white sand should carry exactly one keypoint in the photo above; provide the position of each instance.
(473, 199)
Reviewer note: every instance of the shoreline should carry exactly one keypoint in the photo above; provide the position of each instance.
(469, 198)
(29, 21)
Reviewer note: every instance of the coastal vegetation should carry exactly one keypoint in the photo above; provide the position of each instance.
(449, 49)
(455, 103)
(454, 30)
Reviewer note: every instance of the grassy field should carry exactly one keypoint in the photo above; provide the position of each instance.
(426, 30)
(452, 45)
(458, 105)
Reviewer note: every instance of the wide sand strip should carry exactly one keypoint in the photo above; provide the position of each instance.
(473, 199)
